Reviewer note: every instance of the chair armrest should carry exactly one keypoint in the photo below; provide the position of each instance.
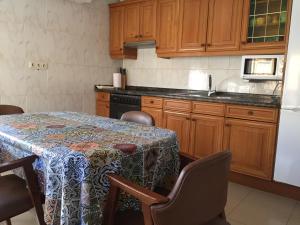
(144, 195)
(17, 163)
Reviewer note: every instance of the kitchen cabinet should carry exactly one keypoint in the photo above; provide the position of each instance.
(153, 106)
(102, 104)
(206, 135)
(180, 123)
(117, 50)
(167, 20)
(157, 115)
(224, 25)
(252, 145)
(193, 16)
(265, 26)
(139, 21)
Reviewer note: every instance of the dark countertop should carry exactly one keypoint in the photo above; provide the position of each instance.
(222, 97)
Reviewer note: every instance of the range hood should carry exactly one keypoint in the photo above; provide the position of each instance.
(140, 44)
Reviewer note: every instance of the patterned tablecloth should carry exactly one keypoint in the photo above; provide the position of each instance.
(76, 151)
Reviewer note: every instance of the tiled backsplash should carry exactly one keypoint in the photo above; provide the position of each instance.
(72, 38)
(191, 73)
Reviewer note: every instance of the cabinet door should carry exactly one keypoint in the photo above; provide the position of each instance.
(131, 23)
(116, 31)
(206, 135)
(252, 145)
(192, 25)
(167, 19)
(147, 21)
(157, 115)
(224, 25)
(265, 25)
(102, 109)
(180, 123)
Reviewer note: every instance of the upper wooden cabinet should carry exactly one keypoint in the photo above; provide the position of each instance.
(139, 21)
(117, 50)
(193, 16)
(265, 25)
(148, 20)
(167, 19)
(202, 27)
(116, 30)
(132, 23)
(224, 25)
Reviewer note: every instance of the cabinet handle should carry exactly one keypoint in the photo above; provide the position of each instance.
(136, 36)
(208, 45)
(250, 113)
(121, 49)
(244, 42)
(151, 102)
(228, 125)
(141, 36)
(187, 118)
(194, 120)
(203, 45)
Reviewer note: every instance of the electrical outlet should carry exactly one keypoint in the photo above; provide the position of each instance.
(38, 66)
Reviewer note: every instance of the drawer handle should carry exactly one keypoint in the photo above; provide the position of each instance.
(250, 113)
(151, 101)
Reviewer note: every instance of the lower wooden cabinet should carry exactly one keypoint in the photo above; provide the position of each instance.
(102, 109)
(180, 123)
(252, 145)
(206, 135)
(157, 115)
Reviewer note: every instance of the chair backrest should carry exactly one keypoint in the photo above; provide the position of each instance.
(10, 109)
(199, 195)
(138, 117)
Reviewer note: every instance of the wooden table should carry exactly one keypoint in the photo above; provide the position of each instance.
(77, 150)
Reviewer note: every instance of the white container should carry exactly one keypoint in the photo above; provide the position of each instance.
(117, 80)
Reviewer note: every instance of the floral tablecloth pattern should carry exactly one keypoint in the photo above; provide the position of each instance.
(76, 151)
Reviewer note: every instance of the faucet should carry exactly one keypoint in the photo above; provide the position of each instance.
(210, 91)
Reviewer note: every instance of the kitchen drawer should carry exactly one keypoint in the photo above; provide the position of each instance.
(252, 113)
(152, 102)
(177, 105)
(103, 96)
(208, 108)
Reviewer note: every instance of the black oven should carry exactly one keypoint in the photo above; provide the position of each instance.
(121, 103)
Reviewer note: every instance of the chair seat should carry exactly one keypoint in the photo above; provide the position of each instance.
(14, 197)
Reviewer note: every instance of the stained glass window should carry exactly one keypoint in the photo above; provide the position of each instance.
(267, 20)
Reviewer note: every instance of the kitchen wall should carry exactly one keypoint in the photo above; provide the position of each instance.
(191, 73)
(72, 38)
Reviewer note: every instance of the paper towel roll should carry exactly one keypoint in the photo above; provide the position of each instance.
(117, 80)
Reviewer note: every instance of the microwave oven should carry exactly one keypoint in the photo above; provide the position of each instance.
(262, 67)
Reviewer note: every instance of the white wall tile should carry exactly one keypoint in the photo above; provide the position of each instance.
(191, 73)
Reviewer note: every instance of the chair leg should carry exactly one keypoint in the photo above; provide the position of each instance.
(8, 222)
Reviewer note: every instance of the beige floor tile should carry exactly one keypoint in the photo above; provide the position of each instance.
(233, 222)
(236, 193)
(261, 208)
(295, 217)
(27, 218)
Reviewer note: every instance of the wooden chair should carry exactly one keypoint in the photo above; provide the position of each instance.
(198, 197)
(16, 195)
(138, 117)
(10, 109)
